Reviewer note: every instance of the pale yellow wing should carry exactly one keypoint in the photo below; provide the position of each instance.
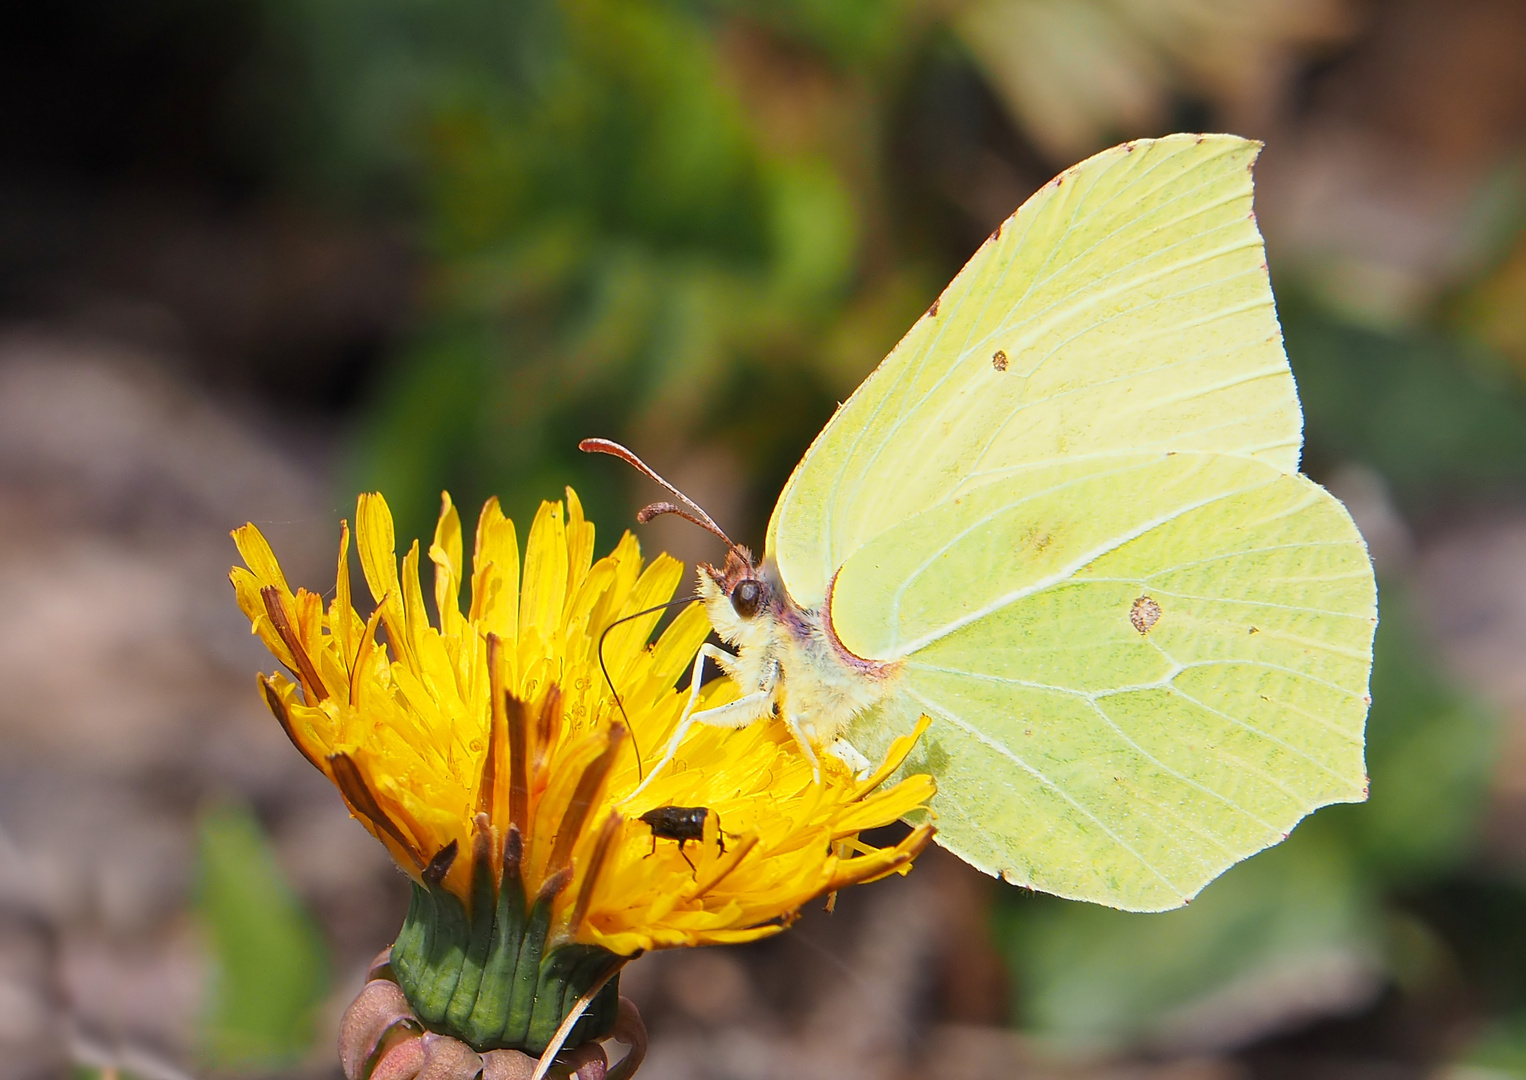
(1164, 668)
(1124, 308)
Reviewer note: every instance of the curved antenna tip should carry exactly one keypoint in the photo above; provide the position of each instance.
(698, 517)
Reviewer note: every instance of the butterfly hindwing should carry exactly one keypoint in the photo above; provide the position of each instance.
(1125, 733)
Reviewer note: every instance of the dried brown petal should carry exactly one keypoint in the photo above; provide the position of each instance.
(448, 1059)
(375, 1010)
(507, 1065)
(588, 1062)
(402, 1062)
(630, 1030)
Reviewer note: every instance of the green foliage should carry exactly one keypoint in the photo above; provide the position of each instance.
(1429, 753)
(1437, 418)
(629, 204)
(270, 961)
(1481, 920)
(850, 32)
(1090, 976)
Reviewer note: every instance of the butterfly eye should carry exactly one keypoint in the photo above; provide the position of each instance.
(747, 598)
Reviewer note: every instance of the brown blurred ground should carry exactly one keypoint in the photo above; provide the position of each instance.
(129, 700)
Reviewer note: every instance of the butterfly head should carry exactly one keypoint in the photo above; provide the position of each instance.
(739, 597)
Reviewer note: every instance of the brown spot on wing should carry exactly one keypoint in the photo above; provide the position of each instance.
(1144, 614)
(932, 311)
(999, 360)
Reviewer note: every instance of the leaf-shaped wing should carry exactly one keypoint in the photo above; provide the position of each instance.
(1124, 307)
(1123, 727)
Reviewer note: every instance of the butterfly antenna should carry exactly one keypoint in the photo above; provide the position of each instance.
(698, 515)
(640, 771)
(656, 509)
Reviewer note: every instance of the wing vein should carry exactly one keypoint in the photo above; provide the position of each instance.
(1006, 752)
(1065, 573)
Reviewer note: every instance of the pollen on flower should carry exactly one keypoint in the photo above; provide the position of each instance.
(487, 739)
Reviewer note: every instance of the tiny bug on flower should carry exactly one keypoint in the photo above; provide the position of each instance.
(681, 823)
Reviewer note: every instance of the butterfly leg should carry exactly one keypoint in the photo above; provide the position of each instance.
(798, 731)
(736, 714)
(848, 754)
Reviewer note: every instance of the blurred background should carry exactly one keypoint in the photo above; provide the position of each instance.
(260, 254)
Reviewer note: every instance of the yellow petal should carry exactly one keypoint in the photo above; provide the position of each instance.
(545, 585)
(445, 553)
(256, 553)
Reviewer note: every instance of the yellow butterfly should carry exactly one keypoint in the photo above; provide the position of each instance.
(1064, 520)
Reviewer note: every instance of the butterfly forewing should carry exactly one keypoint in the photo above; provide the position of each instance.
(1129, 303)
(962, 559)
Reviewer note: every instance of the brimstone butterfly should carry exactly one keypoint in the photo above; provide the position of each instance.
(1064, 520)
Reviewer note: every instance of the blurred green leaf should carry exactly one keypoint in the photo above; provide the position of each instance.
(271, 966)
(814, 230)
(1079, 74)
(1480, 918)
(852, 32)
(1092, 977)
(625, 203)
(1492, 310)
(1430, 751)
(1498, 1052)
(1438, 419)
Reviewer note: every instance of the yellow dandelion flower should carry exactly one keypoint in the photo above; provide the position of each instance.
(490, 755)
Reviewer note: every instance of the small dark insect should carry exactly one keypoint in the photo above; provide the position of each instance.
(681, 823)
(999, 360)
(1144, 614)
